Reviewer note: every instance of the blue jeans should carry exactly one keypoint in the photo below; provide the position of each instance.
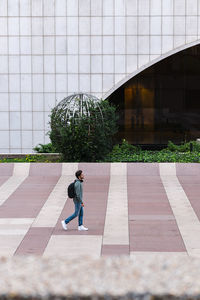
(78, 212)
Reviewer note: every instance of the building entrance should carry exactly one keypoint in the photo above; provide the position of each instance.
(162, 103)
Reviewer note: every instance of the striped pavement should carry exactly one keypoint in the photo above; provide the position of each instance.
(134, 209)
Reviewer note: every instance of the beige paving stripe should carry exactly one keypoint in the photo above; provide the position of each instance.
(20, 173)
(185, 216)
(12, 232)
(15, 226)
(116, 223)
(74, 246)
(53, 207)
(15, 221)
(9, 244)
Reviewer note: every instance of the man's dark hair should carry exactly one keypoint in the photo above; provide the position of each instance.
(78, 173)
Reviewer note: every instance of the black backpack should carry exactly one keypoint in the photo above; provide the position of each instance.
(71, 190)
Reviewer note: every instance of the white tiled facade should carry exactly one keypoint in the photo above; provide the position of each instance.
(52, 48)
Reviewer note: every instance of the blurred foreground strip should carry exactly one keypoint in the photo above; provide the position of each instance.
(120, 277)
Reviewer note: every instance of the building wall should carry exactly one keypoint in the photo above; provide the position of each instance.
(52, 48)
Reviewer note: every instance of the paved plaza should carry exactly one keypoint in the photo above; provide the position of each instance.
(130, 208)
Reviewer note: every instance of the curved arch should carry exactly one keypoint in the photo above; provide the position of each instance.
(151, 63)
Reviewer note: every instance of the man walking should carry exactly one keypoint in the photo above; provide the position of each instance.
(78, 203)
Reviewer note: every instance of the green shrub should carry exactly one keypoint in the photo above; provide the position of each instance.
(157, 156)
(122, 151)
(84, 138)
(30, 158)
(184, 147)
(129, 153)
(44, 148)
(127, 148)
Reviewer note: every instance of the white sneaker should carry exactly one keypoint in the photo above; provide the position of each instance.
(64, 225)
(82, 228)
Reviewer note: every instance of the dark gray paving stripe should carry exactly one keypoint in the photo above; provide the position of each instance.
(115, 250)
(35, 241)
(152, 225)
(151, 217)
(6, 169)
(20, 173)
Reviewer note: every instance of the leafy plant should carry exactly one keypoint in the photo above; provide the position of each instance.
(44, 148)
(128, 153)
(184, 147)
(124, 150)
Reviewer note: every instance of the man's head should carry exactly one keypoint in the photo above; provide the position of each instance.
(79, 174)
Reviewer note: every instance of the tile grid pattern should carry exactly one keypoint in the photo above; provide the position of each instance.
(36, 231)
(49, 49)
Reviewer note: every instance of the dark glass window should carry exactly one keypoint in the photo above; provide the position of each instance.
(162, 103)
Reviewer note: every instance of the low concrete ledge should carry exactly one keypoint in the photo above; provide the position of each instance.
(122, 277)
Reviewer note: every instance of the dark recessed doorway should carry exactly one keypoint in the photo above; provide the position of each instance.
(162, 103)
